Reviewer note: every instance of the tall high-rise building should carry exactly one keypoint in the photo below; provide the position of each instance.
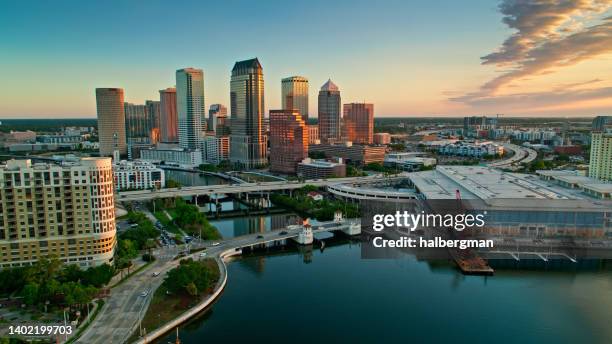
(137, 122)
(601, 123)
(154, 114)
(190, 107)
(329, 113)
(600, 164)
(359, 123)
(217, 120)
(294, 95)
(248, 145)
(288, 140)
(168, 122)
(65, 211)
(111, 121)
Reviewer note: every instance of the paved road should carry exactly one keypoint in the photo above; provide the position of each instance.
(521, 154)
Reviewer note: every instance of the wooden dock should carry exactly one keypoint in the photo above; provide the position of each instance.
(470, 263)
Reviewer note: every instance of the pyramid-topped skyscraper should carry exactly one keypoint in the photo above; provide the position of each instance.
(329, 112)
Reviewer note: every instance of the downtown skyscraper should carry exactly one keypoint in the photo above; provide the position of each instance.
(329, 113)
(111, 121)
(294, 95)
(358, 123)
(190, 107)
(288, 140)
(168, 122)
(154, 115)
(248, 145)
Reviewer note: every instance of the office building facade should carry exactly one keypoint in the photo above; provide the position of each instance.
(294, 95)
(168, 123)
(329, 113)
(217, 120)
(248, 144)
(600, 164)
(190, 107)
(111, 121)
(288, 140)
(154, 115)
(359, 123)
(313, 134)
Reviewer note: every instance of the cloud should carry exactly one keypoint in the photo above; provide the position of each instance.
(538, 21)
(550, 34)
(540, 99)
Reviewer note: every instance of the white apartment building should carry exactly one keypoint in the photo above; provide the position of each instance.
(173, 156)
(137, 175)
(473, 149)
(216, 149)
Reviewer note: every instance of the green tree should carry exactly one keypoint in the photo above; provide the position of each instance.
(30, 293)
(192, 290)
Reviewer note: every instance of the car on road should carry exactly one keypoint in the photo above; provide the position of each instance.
(203, 254)
(260, 237)
(144, 293)
(283, 233)
(215, 244)
(156, 273)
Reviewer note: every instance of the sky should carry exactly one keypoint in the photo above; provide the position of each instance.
(409, 58)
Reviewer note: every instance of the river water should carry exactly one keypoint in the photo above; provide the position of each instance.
(334, 296)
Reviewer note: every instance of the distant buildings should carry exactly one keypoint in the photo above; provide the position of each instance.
(17, 137)
(329, 113)
(472, 126)
(137, 175)
(168, 116)
(173, 156)
(313, 134)
(294, 95)
(65, 211)
(472, 149)
(359, 123)
(408, 161)
(190, 107)
(601, 123)
(600, 165)
(217, 120)
(317, 169)
(288, 140)
(382, 138)
(357, 154)
(111, 121)
(248, 146)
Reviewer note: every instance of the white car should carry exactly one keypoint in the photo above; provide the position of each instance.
(144, 293)
(203, 254)
(215, 244)
(156, 273)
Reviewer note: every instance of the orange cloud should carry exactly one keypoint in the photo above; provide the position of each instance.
(551, 35)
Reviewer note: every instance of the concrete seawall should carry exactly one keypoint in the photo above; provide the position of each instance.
(188, 314)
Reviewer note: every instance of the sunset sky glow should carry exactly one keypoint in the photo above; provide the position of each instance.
(409, 58)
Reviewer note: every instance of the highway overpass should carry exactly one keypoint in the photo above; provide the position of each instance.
(144, 195)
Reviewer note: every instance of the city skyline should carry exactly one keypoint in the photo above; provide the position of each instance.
(549, 59)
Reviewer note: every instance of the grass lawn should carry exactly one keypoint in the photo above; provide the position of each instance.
(170, 227)
(164, 308)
